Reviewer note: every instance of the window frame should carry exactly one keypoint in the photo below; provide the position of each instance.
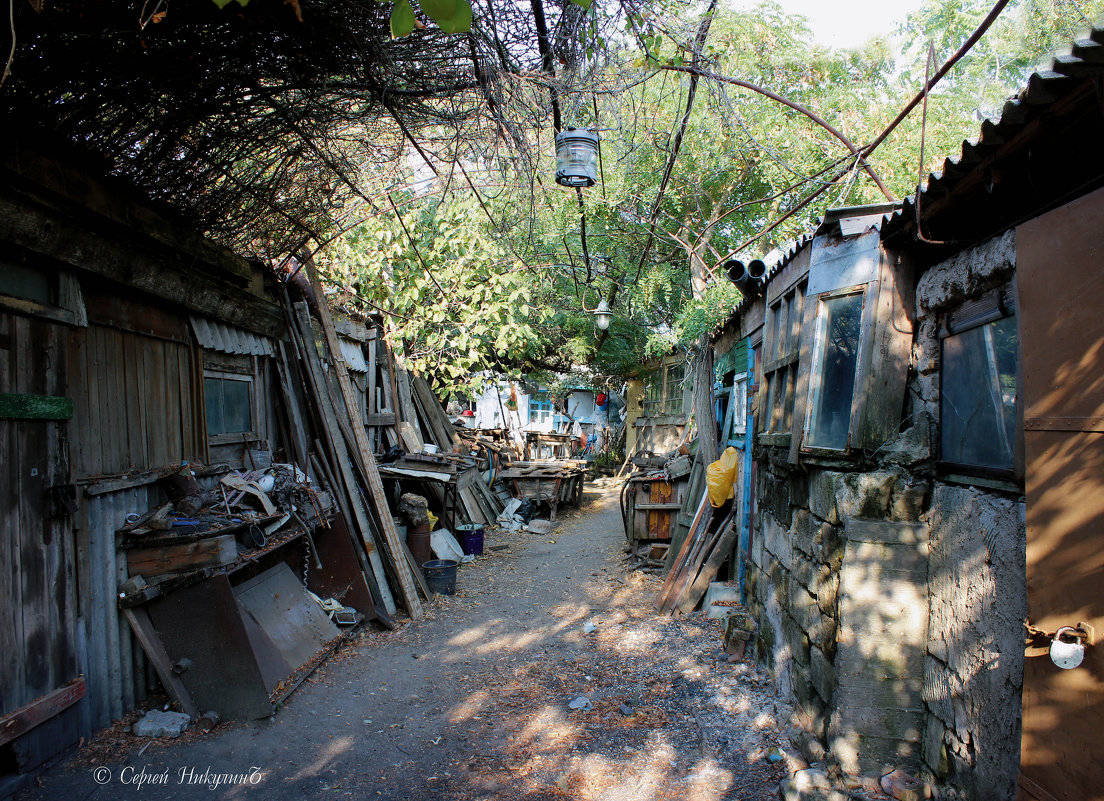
(812, 393)
(234, 436)
(991, 307)
(543, 407)
(738, 399)
(65, 303)
(783, 344)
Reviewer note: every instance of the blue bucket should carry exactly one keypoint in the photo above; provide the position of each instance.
(470, 537)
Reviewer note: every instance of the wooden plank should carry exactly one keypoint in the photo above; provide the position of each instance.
(367, 464)
(17, 723)
(303, 339)
(35, 407)
(298, 432)
(701, 545)
(373, 406)
(130, 431)
(143, 629)
(207, 552)
(683, 553)
(388, 364)
(380, 419)
(404, 396)
(720, 551)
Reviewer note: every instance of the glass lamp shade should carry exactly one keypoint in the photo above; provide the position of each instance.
(576, 157)
(603, 316)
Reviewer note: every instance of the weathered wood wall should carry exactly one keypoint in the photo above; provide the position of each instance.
(37, 594)
(135, 400)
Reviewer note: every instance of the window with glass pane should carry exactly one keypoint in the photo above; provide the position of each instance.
(978, 396)
(26, 283)
(739, 402)
(672, 395)
(780, 370)
(229, 410)
(835, 361)
(540, 408)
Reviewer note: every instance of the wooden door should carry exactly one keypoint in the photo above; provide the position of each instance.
(37, 600)
(1060, 277)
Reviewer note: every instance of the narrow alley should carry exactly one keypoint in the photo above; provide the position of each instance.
(475, 701)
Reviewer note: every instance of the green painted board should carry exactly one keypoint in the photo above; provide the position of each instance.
(35, 407)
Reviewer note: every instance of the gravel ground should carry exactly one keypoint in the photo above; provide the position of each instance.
(473, 702)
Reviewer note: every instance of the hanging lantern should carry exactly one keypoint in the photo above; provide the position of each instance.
(576, 157)
(603, 315)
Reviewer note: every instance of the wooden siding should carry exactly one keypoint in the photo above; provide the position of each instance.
(37, 596)
(135, 402)
(1060, 278)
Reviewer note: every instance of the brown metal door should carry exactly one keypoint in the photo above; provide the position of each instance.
(1060, 276)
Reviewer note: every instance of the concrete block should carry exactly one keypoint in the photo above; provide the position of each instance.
(803, 607)
(803, 691)
(156, 723)
(866, 495)
(885, 531)
(826, 589)
(823, 634)
(720, 591)
(909, 499)
(823, 674)
(858, 753)
(776, 540)
(824, 485)
(803, 531)
(828, 545)
(912, 446)
(803, 569)
(797, 641)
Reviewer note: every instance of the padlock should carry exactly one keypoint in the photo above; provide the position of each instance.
(1067, 655)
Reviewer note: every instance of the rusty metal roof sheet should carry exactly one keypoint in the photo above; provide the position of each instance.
(353, 355)
(224, 338)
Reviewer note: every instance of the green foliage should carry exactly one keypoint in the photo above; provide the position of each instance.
(453, 301)
(402, 19)
(509, 283)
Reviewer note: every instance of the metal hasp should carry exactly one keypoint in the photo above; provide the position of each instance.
(576, 158)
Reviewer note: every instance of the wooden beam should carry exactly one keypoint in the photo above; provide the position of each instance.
(142, 626)
(16, 724)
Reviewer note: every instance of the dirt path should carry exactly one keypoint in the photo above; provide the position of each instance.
(473, 703)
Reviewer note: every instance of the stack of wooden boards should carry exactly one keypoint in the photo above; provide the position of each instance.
(325, 426)
(701, 544)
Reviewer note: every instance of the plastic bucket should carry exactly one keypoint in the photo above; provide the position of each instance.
(470, 537)
(440, 575)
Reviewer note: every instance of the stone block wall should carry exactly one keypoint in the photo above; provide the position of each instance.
(889, 599)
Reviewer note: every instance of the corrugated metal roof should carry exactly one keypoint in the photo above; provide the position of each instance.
(224, 338)
(353, 355)
(1085, 59)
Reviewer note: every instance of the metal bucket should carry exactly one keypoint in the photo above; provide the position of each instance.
(440, 575)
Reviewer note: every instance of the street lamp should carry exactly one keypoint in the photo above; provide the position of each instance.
(576, 157)
(603, 316)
